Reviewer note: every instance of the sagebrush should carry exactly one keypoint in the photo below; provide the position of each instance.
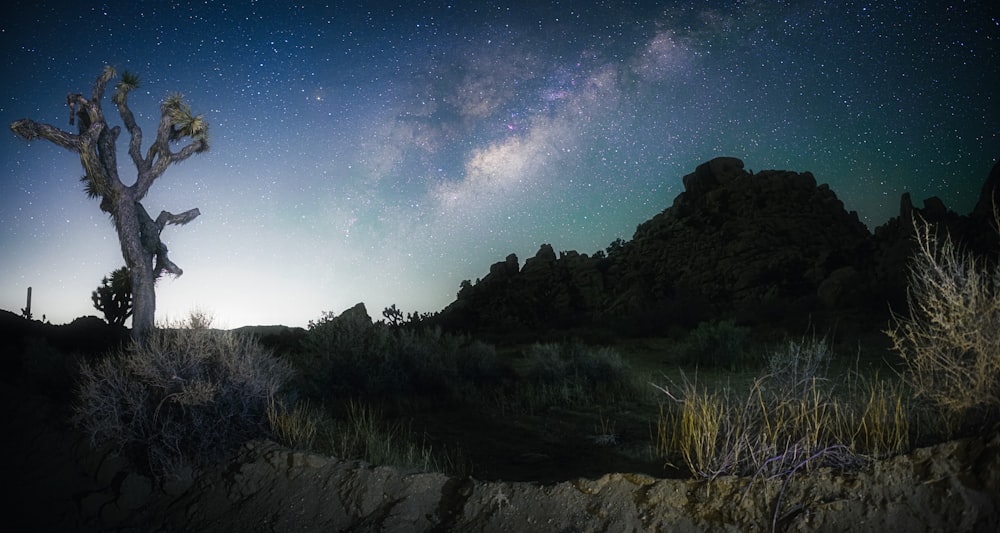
(183, 396)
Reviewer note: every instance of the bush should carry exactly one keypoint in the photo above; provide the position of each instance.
(570, 374)
(717, 344)
(794, 368)
(349, 356)
(950, 341)
(185, 396)
(590, 366)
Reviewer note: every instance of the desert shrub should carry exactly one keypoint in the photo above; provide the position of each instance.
(720, 344)
(366, 434)
(590, 366)
(570, 373)
(546, 362)
(343, 355)
(184, 396)
(950, 341)
(794, 367)
(350, 356)
(791, 419)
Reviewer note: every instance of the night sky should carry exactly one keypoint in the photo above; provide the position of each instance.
(382, 153)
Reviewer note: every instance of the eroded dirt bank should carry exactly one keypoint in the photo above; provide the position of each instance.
(64, 485)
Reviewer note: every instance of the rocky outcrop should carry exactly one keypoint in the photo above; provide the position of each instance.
(739, 240)
(769, 247)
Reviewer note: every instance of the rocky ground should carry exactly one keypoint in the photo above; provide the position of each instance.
(61, 484)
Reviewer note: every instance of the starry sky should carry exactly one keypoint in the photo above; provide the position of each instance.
(382, 152)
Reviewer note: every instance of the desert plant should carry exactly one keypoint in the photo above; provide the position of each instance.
(393, 316)
(295, 426)
(717, 344)
(790, 419)
(349, 356)
(552, 362)
(569, 374)
(795, 366)
(182, 397)
(144, 252)
(113, 297)
(344, 355)
(879, 421)
(950, 341)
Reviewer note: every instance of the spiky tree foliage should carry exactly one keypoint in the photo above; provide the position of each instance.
(139, 234)
(114, 297)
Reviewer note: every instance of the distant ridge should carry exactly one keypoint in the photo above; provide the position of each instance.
(769, 248)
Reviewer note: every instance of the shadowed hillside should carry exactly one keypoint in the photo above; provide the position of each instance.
(773, 248)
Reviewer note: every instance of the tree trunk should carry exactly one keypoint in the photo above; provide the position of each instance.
(139, 262)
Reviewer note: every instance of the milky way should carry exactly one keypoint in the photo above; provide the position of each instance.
(384, 154)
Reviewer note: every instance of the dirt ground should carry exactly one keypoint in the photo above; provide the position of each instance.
(61, 484)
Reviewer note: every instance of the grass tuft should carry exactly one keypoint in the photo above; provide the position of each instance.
(789, 419)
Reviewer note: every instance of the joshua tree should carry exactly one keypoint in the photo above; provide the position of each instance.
(393, 315)
(114, 297)
(139, 234)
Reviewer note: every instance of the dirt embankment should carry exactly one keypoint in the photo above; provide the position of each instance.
(64, 485)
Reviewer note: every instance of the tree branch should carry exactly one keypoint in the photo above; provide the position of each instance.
(180, 219)
(159, 156)
(164, 264)
(30, 130)
(100, 84)
(135, 135)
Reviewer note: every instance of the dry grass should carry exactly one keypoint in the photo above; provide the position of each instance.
(296, 427)
(786, 420)
(362, 432)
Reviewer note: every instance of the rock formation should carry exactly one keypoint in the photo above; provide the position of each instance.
(772, 247)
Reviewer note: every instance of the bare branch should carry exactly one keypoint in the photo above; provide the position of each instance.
(30, 130)
(135, 134)
(102, 82)
(164, 264)
(180, 219)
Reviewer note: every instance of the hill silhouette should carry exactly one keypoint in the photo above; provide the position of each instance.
(771, 248)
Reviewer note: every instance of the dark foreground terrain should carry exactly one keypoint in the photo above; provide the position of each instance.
(61, 483)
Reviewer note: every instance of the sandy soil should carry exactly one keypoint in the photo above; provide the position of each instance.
(62, 484)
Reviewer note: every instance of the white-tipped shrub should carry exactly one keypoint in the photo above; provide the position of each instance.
(950, 340)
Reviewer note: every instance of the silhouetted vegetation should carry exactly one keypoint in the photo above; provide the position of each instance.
(113, 297)
(350, 356)
(144, 252)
